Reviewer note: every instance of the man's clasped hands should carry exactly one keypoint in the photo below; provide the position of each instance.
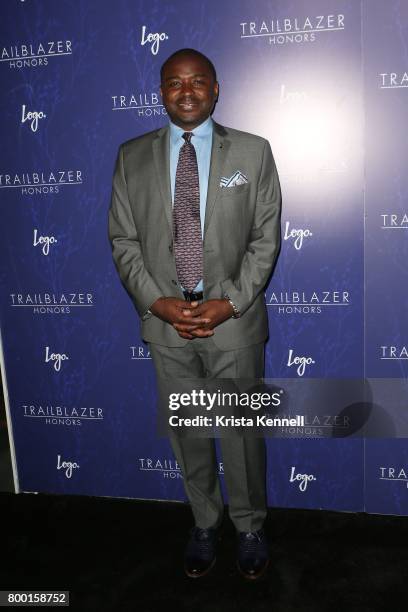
(192, 319)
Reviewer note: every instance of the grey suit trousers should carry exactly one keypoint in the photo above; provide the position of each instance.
(244, 458)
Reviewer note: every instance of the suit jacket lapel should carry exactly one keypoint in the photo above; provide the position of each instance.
(219, 152)
(161, 154)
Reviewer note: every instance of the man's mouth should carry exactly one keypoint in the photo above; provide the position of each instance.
(187, 105)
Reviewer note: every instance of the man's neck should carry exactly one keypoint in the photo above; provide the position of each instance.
(190, 129)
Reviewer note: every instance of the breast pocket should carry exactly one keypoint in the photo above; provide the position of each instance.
(231, 192)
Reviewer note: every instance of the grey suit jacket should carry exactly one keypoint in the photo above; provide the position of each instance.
(241, 231)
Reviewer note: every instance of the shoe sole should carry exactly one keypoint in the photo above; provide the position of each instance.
(256, 576)
(203, 573)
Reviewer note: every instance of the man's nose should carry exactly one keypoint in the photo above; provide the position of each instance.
(186, 89)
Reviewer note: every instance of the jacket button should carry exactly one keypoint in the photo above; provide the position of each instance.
(170, 248)
(174, 282)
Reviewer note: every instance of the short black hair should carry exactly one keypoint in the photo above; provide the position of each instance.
(187, 51)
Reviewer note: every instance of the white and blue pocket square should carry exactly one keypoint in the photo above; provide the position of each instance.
(238, 178)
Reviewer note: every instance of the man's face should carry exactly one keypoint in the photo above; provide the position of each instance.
(188, 90)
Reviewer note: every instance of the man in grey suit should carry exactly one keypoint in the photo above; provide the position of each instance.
(194, 225)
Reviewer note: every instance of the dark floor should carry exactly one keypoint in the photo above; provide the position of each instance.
(114, 554)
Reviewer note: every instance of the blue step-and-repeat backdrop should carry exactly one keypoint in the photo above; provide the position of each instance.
(324, 81)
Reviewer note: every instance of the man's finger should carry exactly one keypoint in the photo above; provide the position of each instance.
(190, 313)
(202, 333)
(192, 321)
(202, 312)
(186, 327)
(187, 305)
(186, 336)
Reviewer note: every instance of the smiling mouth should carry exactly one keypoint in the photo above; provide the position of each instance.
(187, 105)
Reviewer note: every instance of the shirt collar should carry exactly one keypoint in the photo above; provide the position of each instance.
(201, 131)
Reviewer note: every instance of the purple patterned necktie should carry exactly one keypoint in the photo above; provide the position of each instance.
(188, 244)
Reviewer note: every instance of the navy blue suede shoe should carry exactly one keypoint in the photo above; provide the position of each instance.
(200, 557)
(253, 553)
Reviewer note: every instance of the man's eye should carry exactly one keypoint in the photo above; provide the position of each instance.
(199, 82)
(174, 83)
